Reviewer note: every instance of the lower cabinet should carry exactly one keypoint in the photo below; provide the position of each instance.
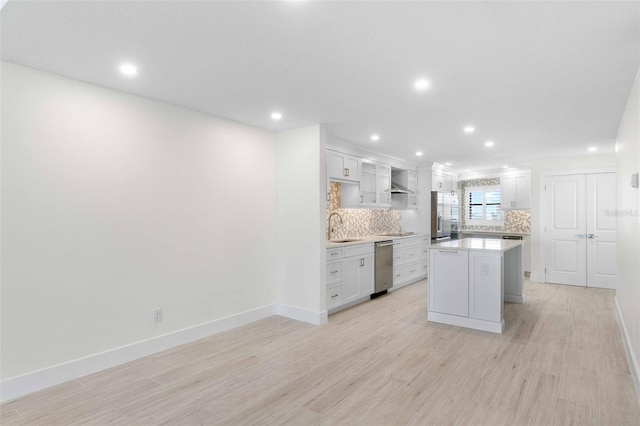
(359, 277)
(410, 260)
(350, 275)
(449, 282)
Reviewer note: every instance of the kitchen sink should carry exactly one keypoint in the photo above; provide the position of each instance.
(346, 240)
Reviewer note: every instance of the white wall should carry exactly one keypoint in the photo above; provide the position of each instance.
(113, 205)
(301, 224)
(628, 225)
(538, 170)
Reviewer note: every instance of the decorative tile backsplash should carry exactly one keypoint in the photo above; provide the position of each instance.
(359, 222)
(514, 220)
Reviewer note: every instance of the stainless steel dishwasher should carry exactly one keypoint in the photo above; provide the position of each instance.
(384, 266)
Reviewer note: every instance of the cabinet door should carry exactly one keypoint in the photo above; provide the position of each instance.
(485, 286)
(436, 182)
(368, 193)
(507, 192)
(522, 191)
(412, 201)
(359, 277)
(383, 185)
(352, 277)
(342, 167)
(449, 282)
(412, 181)
(366, 275)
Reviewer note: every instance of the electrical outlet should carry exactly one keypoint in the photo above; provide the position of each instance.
(157, 315)
(484, 269)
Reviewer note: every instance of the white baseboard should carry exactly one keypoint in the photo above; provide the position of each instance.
(539, 278)
(71, 370)
(514, 298)
(631, 358)
(301, 314)
(477, 324)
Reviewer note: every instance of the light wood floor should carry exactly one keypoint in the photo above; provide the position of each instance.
(560, 361)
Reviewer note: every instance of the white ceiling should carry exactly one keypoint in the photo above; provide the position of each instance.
(541, 79)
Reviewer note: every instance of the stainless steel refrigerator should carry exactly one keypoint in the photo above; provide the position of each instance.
(440, 216)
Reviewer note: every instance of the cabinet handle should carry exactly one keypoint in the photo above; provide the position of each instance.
(447, 252)
(413, 270)
(361, 262)
(333, 253)
(335, 295)
(411, 254)
(347, 172)
(361, 199)
(334, 272)
(328, 197)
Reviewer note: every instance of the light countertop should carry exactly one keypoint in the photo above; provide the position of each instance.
(371, 239)
(484, 244)
(469, 231)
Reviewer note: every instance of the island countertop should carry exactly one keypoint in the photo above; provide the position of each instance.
(484, 244)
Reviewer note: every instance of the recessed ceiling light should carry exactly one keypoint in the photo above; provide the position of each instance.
(447, 164)
(128, 69)
(375, 137)
(421, 84)
(469, 129)
(276, 115)
(593, 148)
(419, 153)
(489, 144)
(505, 167)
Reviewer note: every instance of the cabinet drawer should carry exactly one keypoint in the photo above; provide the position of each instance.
(424, 251)
(335, 296)
(335, 272)
(414, 253)
(398, 275)
(399, 255)
(359, 250)
(411, 241)
(335, 253)
(413, 270)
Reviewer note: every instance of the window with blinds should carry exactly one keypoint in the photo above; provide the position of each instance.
(483, 205)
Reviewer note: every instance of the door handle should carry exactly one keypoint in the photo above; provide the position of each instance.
(591, 236)
(580, 236)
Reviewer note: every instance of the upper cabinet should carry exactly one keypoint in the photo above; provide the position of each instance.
(343, 167)
(443, 183)
(515, 192)
(374, 190)
(406, 179)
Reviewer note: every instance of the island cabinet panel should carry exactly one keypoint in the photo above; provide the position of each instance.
(513, 276)
(449, 282)
(485, 297)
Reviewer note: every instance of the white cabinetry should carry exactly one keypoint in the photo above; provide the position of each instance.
(350, 275)
(408, 179)
(449, 282)
(343, 167)
(374, 190)
(410, 260)
(515, 192)
(485, 297)
(470, 279)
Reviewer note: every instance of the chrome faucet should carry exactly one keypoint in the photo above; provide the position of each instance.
(329, 228)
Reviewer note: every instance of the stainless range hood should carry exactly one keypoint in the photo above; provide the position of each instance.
(399, 189)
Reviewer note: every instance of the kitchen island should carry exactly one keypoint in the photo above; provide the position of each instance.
(470, 279)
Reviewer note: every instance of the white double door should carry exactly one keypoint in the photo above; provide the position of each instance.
(580, 237)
